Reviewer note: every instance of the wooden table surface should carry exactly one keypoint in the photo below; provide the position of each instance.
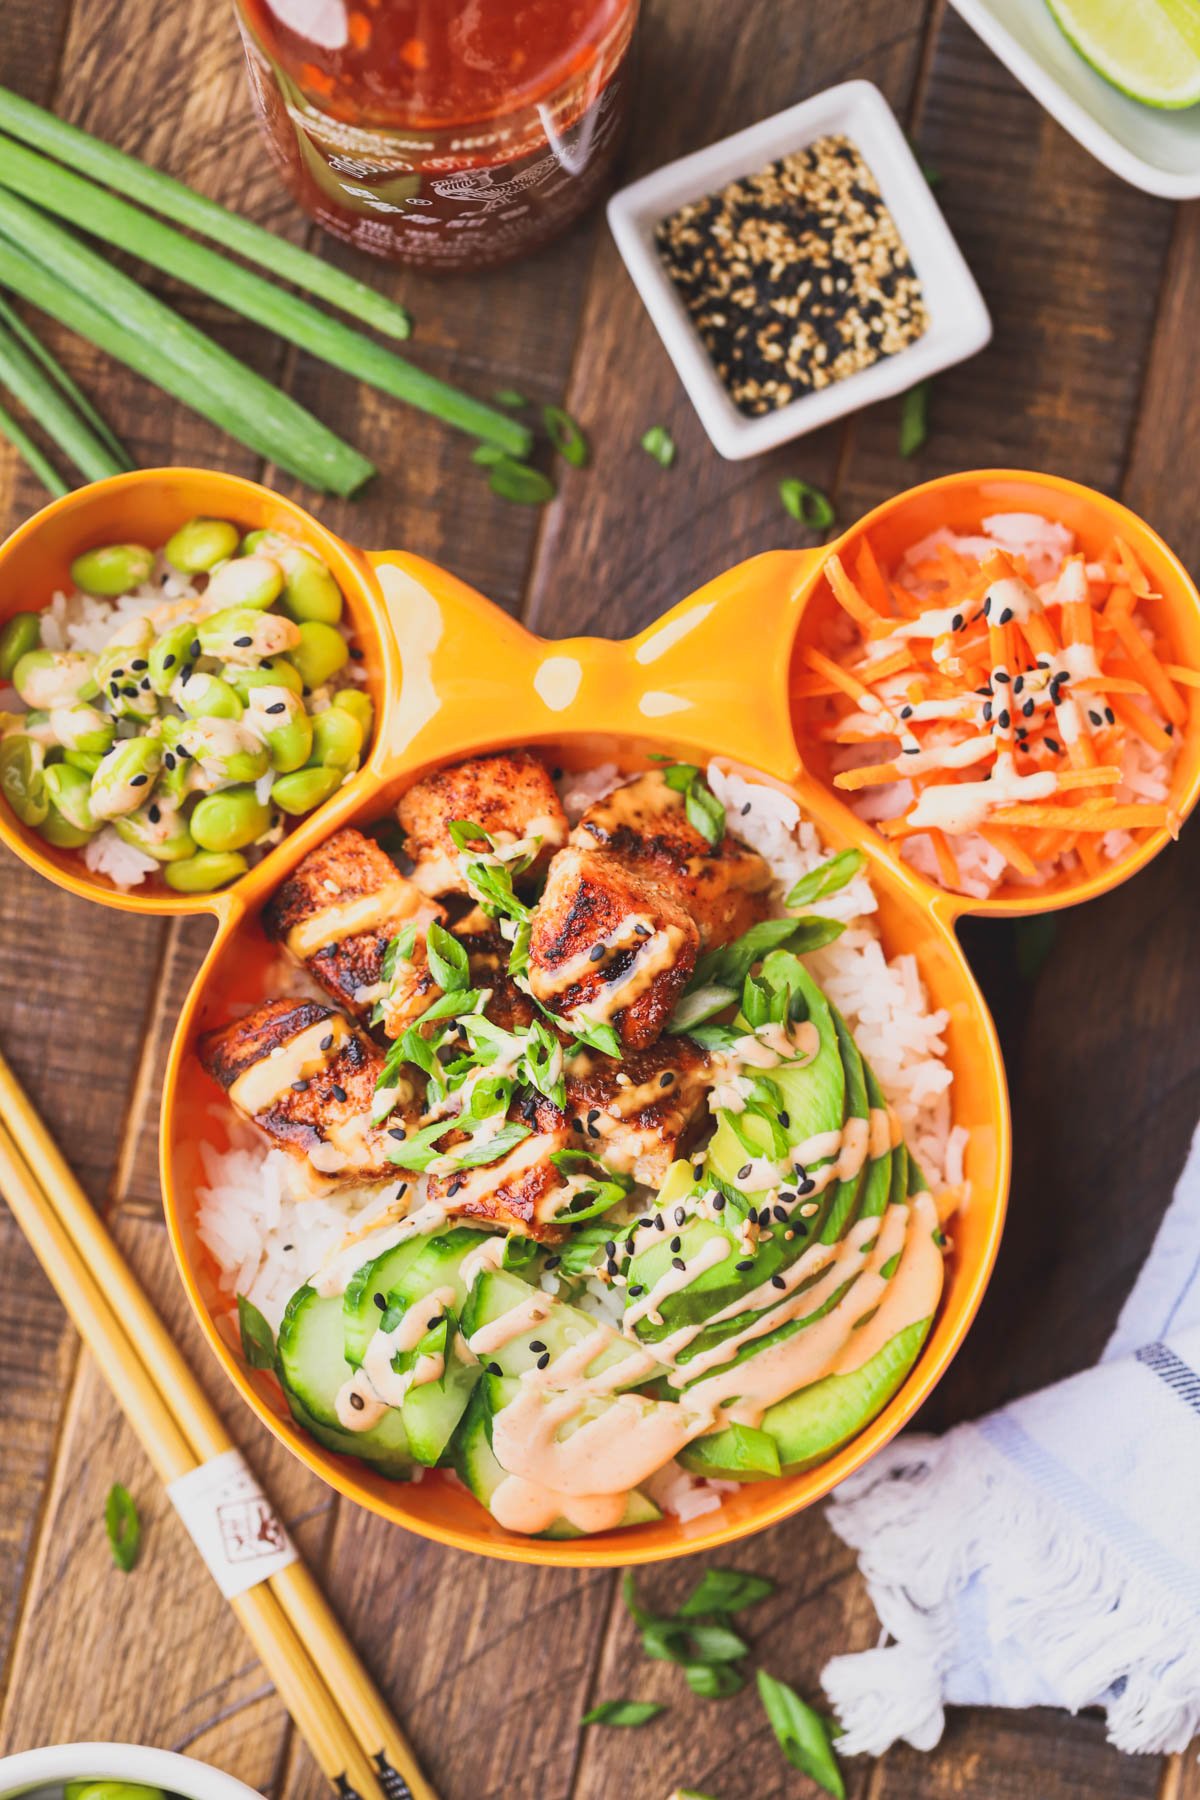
(1093, 373)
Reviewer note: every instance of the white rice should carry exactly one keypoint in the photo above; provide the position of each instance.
(267, 1231)
(1045, 545)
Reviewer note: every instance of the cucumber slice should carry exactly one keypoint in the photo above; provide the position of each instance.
(497, 1292)
(312, 1369)
(431, 1412)
(361, 1309)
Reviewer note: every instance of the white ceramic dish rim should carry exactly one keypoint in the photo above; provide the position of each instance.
(959, 320)
(1071, 113)
(53, 1763)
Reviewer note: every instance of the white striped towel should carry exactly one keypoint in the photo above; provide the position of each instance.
(1048, 1554)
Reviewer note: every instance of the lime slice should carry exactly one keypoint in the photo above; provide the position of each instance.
(1150, 49)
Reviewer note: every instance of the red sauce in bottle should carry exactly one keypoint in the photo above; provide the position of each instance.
(452, 134)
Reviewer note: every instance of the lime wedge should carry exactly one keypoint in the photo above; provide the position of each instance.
(1150, 49)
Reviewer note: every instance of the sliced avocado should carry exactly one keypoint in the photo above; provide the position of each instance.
(738, 1453)
(475, 1461)
(810, 1425)
(878, 1184)
(843, 1196)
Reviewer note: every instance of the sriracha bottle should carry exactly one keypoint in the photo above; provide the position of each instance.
(451, 134)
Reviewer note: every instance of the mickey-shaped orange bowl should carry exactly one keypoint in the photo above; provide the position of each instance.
(720, 680)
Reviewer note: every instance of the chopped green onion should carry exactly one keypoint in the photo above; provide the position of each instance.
(566, 436)
(807, 504)
(658, 443)
(25, 447)
(725, 1591)
(486, 454)
(103, 215)
(42, 400)
(623, 1712)
(517, 482)
(155, 341)
(258, 1340)
(58, 374)
(509, 397)
(803, 1734)
(123, 1526)
(914, 419)
(174, 200)
(714, 1681)
(829, 877)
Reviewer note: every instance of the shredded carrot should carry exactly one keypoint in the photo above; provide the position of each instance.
(1035, 719)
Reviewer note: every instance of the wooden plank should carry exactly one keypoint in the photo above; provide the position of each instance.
(154, 1656)
(1012, 1755)
(1168, 424)
(627, 539)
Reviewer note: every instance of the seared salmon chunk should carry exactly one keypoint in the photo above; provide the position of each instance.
(638, 1115)
(645, 822)
(338, 910)
(519, 1192)
(306, 1077)
(510, 795)
(610, 944)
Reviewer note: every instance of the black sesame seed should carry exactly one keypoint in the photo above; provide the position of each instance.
(744, 1171)
(645, 1224)
(676, 1243)
(1006, 615)
(778, 1281)
(906, 712)
(1110, 715)
(169, 662)
(593, 1115)
(493, 1368)
(138, 780)
(299, 1087)
(194, 649)
(1027, 709)
(781, 1213)
(1018, 684)
(576, 1124)
(957, 622)
(642, 931)
(718, 1203)
(596, 953)
(660, 1223)
(139, 663)
(1169, 729)
(697, 1171)
(242, 643)
(677, 1262)
(380, 1302)
(680, 1215)
(154, 813)
(785, 1119)
(912, 749)
(745, 809)
(987, 710)
(454, 1187)
(593, 1131)
(327, 1042)
(338, 1091)
(130, 688)
(552, 1262)
(610, 1248)
(1094, 716)
(741, 1267)
(357, 1402)
(279, 706)
(807, 1185)
(667, 1080)
(1004, 720)
(145, 684)
(635, 1290)
(1053, 745)
(168, 761)
(536, 1344)
(114, 688)
(1001, 675)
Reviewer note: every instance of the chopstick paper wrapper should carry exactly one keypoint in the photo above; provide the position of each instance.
(232, 1523)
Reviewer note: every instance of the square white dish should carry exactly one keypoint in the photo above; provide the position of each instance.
(1156, 151)
(959, 324)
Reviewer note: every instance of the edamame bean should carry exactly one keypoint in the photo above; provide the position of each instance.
(123, 673)
(358, 705)
(112, 569)
(82, 728)
(55, 677)
(241, 634)
(21, 633)
(299, 792)
(229, 820)
(204, 696)
(252, 540)
(87, 760)
(126, 776)
(277, 671)
(159, 830)
(205, 872)
(22, 778)
(200, 544)
(70, 793)
(36, 724)
(279, 718)
(59, 831)
(175, 777)
(336, 739)
(319, 654)
(170, 654)
(309, 590)
(248, 581)
(221, 751)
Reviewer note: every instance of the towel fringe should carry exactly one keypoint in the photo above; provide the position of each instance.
(1056, 1590)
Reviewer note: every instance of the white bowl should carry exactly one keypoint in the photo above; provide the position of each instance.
(1156, 151)
(56, 1763)
(958, 319)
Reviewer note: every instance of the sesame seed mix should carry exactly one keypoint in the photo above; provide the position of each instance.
(795, 277)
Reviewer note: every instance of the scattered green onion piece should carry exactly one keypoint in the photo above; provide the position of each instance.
(30, 384)
(658, 443)
(829, 877)
(517, 482)
(914, 419)
(487, 454)
(57, 373)
(123, 1526)
(183, 362)
(566, 436)
(714, 1681)
(726, 1591)
(803, 1734)
(25, 447)
(623, 1712)
(105, 216)
(509, 397)
(258, 1340)
(174, 200)
(806, 503)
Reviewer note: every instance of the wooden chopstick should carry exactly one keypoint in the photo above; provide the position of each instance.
(180, 1429)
